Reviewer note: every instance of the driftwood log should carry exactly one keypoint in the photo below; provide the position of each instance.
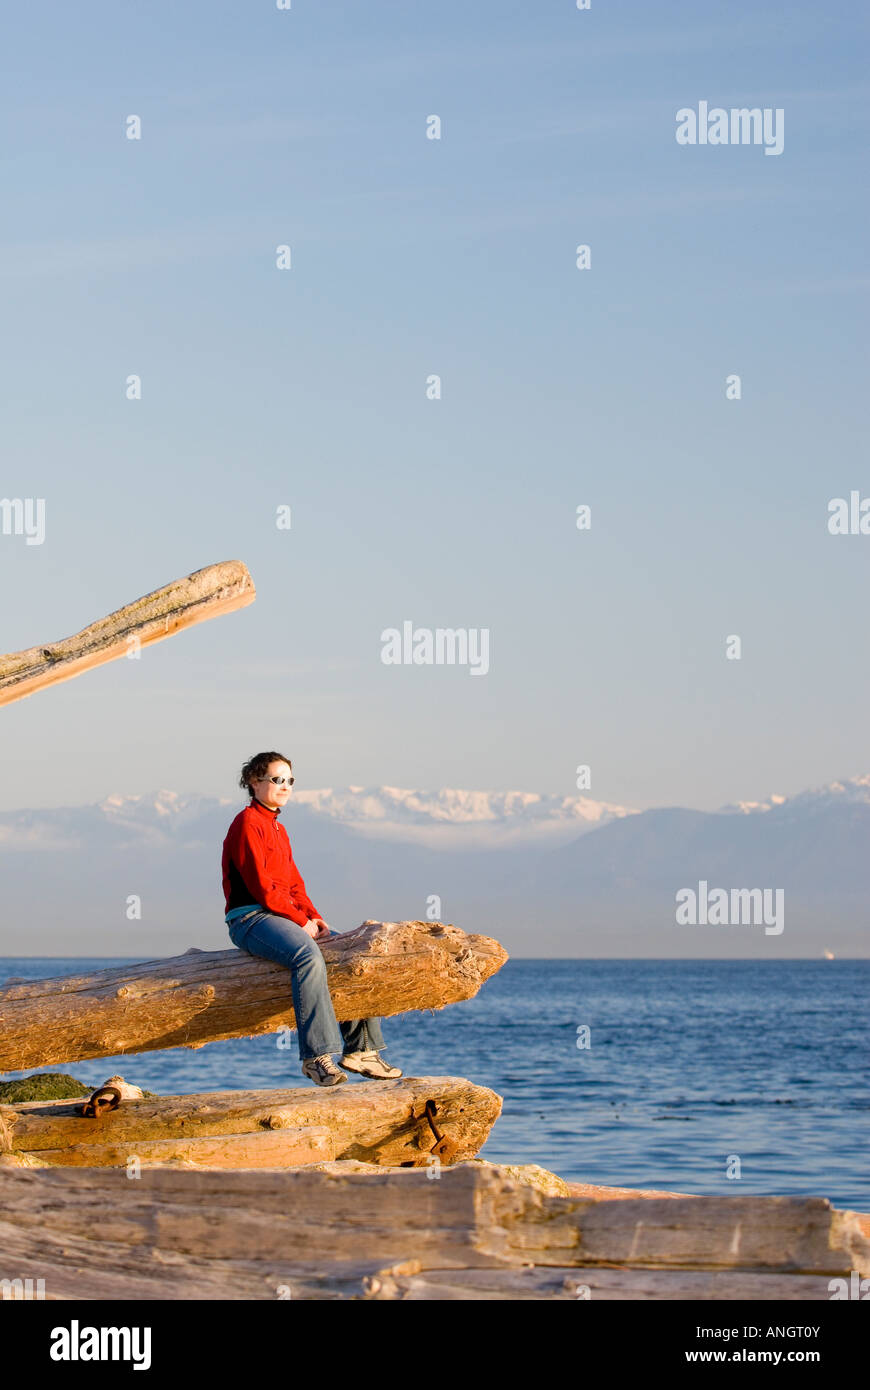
(379, 1122)
(381, 968)
(207, 593)
(284, 1149)
(304, 1233)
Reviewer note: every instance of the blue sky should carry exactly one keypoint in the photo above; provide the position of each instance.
(560, 387)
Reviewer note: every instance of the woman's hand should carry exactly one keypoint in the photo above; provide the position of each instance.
(323, 928)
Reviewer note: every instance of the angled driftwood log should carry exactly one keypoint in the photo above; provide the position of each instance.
(195, 1234)
(207, 593)
(381, 968)
(381, 1122)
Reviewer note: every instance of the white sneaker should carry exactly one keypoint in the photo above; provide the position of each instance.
(369, 1064)
(322, 1071)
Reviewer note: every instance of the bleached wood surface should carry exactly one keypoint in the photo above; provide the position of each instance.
(304, 1233)
(381, 968)
(379, 1122)
(207, 593)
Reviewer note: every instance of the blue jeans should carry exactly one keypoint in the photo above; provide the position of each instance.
(262, 933)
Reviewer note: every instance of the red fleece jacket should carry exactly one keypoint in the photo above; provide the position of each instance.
(258, 866)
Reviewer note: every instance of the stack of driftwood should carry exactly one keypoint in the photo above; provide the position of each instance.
(310, 1193)
(315, 1193)
(381, 968)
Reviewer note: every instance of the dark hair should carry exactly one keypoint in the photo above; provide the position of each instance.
(256, 767)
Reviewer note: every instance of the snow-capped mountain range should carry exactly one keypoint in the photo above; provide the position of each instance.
(548, 875)
(456, 819)
(852, 789)
(447, 819)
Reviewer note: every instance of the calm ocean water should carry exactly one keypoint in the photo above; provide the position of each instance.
(690, 1062)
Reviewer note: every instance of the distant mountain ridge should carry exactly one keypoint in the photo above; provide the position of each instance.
(547, 875)
(852, 789)
(458, 818)
(449, 818)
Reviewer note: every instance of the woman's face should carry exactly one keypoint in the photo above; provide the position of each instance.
(267, 792)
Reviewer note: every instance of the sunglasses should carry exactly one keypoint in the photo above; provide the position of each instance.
(279, 781)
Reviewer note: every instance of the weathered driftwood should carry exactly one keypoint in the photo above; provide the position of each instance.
(616, 1194)
(379, 1122)
(538, 1283)
(317, 1234)
(207, 593)
(381, 968)
(282, 1149)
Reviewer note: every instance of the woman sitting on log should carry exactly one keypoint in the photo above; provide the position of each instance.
(269, 914)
